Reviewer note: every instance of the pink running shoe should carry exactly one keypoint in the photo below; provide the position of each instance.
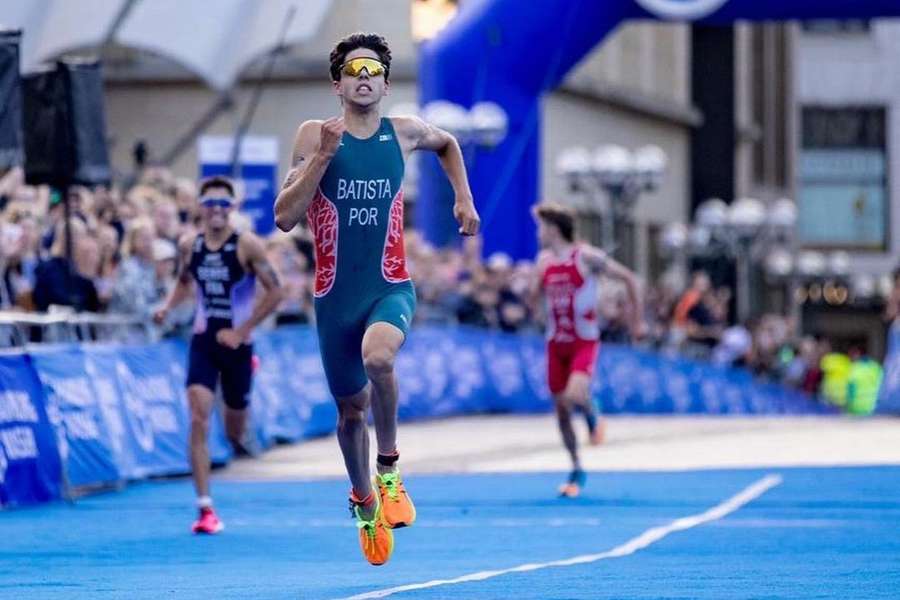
(208, 522)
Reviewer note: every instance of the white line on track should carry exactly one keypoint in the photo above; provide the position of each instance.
(652, 535)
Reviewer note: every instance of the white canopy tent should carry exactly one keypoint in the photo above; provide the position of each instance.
(215, 40)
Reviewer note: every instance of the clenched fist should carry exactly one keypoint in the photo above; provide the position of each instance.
(229, 338)
(160, 315)
(330, 136)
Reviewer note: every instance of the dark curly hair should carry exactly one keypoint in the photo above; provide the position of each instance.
(372, 41)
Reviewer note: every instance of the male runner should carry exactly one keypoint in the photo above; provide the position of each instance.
(225, 265)
(567, 273)
(346, 180)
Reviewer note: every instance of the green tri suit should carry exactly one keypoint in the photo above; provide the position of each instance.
(356, 218)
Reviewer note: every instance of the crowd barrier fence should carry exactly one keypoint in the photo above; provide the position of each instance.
(78, 416)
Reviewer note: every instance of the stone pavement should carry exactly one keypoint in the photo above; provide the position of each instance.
(507, 443)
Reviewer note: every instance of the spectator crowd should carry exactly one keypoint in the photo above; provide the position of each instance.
(123, 248)
(124, 254)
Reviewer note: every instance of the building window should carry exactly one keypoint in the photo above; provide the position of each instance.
(842, 178)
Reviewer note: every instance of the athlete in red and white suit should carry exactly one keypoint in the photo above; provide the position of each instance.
(567, 276)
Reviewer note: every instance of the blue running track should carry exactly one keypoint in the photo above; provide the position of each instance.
(820, 533)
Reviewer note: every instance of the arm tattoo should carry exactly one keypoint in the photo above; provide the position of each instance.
(424, 131)
(294, 173)
(433, 138)
(266, 273)
(184, 274)
(292, 176)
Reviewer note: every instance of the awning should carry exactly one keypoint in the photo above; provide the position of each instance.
(215, 40)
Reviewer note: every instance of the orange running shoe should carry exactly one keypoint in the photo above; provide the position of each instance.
(399, 510)
(375, 537)
(572, 488)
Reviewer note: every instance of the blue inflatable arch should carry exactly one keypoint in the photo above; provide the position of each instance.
(513, 51)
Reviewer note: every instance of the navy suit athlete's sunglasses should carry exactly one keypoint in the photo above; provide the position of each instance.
(217, 203)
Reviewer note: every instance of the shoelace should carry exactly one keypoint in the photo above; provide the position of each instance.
(391, 481)
(368, 525)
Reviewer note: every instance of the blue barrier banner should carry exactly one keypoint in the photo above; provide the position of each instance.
(439, 375)
(270, 416)
(156, 411)
(290, 398)
(30, 470)
(120, 412)
(638, 381)
(145, 408)
(82, 433)
(171, 364)
(100, 368)
(458, 371)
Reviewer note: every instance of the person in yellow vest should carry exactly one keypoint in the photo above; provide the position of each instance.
(835, 368)
(863, 383)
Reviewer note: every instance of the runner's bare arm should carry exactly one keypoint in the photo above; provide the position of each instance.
(184, 282)
(416, 134)
(256, 261)
(597, 260)
(315, 144)
(534, 291)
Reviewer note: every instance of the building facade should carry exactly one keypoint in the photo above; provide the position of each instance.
(632, 90)
(846, 182)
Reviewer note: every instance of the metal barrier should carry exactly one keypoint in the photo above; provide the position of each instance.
(19, 328)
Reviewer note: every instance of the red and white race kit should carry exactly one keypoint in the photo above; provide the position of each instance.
(573, 329)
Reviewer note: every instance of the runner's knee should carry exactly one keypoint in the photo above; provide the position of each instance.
(576, 391)
(354, 408)
(562, 405)
(378, 362)
(200, 402)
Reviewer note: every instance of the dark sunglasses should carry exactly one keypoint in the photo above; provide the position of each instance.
(217, 203)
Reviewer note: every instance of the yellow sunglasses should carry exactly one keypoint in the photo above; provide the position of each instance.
(354, 67)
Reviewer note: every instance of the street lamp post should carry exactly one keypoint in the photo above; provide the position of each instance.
(749, 231)
(619, 174)
(812, 276)
(483, 125)
(741, 231)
